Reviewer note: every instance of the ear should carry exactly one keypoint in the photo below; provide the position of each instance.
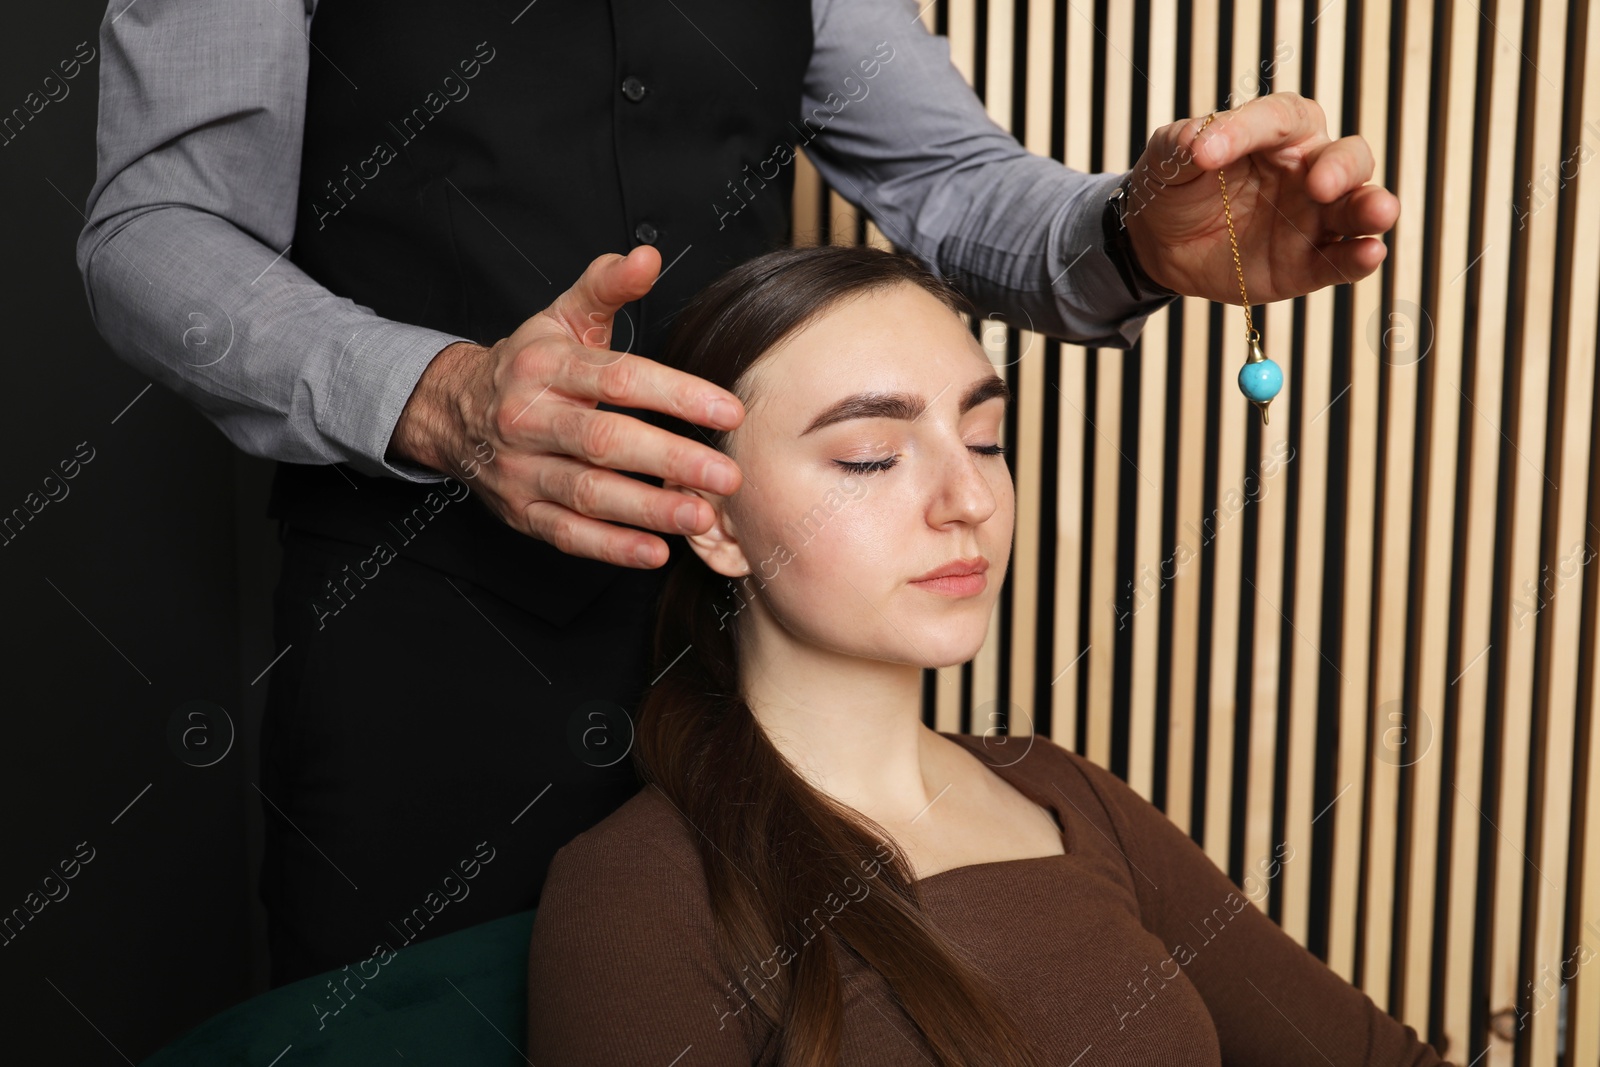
(719, 546)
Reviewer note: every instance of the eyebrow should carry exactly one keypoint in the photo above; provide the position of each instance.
(906, 406)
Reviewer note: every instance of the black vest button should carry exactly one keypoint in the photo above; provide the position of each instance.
(646, 233)
(633, 88)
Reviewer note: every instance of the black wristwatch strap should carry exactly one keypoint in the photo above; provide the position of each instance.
(1119, 248)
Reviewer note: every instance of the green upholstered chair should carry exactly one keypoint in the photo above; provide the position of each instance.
(457, 999)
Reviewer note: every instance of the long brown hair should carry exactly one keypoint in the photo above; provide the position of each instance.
(776, 851)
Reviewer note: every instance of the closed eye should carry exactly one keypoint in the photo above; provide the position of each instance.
(875, 465)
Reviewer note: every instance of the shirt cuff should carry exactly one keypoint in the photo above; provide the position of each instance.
(375, 376)
(1078, 249)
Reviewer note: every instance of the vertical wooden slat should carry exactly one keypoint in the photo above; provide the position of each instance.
(962, 32)
(1472, 827)
(842, 218)
(1105, 421)
(1560, 605)
(1459, 895)
(1072, 643)
(1150, 563)
(1266, 585)
(807, 197)
(1426, 765)
(1067, 651)
(1026, 558)
(961, 20)
(1556, 666)
(1529, 354)
(1041, 104)
(947, 701)
(987, 664)
(1389, 637)
(1190, 538)
(1030, 370)
(876, 237)
(1228, 531)
(1355, 694)
(1583, 1035)
(997, 59)
(997, 102)
(992, 334)
(1307, 659)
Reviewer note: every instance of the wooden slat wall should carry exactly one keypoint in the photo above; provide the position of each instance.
(1385, 660)
(1583, 1041)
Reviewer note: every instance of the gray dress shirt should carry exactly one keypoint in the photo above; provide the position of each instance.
(192, 211)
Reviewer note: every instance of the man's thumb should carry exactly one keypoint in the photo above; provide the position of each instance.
(610, 281)
(1169, 157)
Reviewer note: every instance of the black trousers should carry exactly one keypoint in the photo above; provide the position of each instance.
(428, 746)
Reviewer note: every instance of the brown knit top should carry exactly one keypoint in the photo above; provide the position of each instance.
(1130, 948)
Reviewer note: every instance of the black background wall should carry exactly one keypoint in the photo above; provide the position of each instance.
(142, 588)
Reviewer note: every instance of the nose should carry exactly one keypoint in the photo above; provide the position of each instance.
(962, 491)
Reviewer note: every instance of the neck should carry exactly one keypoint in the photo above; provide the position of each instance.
(851, 727)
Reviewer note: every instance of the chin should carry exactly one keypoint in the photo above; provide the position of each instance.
(948, 646)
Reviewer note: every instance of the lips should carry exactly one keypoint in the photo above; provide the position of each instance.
(956, 568)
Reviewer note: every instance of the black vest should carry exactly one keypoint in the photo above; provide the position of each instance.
(464, 163)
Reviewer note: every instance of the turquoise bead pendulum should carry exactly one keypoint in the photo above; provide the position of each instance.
(1260, 378)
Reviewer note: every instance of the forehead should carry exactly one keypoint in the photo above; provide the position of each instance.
(901, 338)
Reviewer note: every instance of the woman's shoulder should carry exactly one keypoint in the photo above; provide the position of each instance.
(630, 884)
(624, 929)
(643, 848)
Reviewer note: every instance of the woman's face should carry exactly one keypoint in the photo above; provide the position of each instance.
(869, 460)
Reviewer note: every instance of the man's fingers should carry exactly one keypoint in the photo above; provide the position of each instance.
(634, 381)
(604, 494)
(1342, 262)
(1175, 157)
(1258, 125)
(1338, 167)
(1370, 209)
(578, 535)
(610, 281)
(621, 442)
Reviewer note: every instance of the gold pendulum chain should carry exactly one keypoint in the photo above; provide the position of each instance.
(1260, 378)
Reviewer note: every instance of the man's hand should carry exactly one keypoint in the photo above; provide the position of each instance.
(1299, 202)
(530, 404)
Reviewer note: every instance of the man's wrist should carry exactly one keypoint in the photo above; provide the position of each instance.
(1143, 249)
(1127, 245)
(431, 418)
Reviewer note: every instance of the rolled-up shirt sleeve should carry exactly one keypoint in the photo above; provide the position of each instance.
(184, 253)
(895, 129)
